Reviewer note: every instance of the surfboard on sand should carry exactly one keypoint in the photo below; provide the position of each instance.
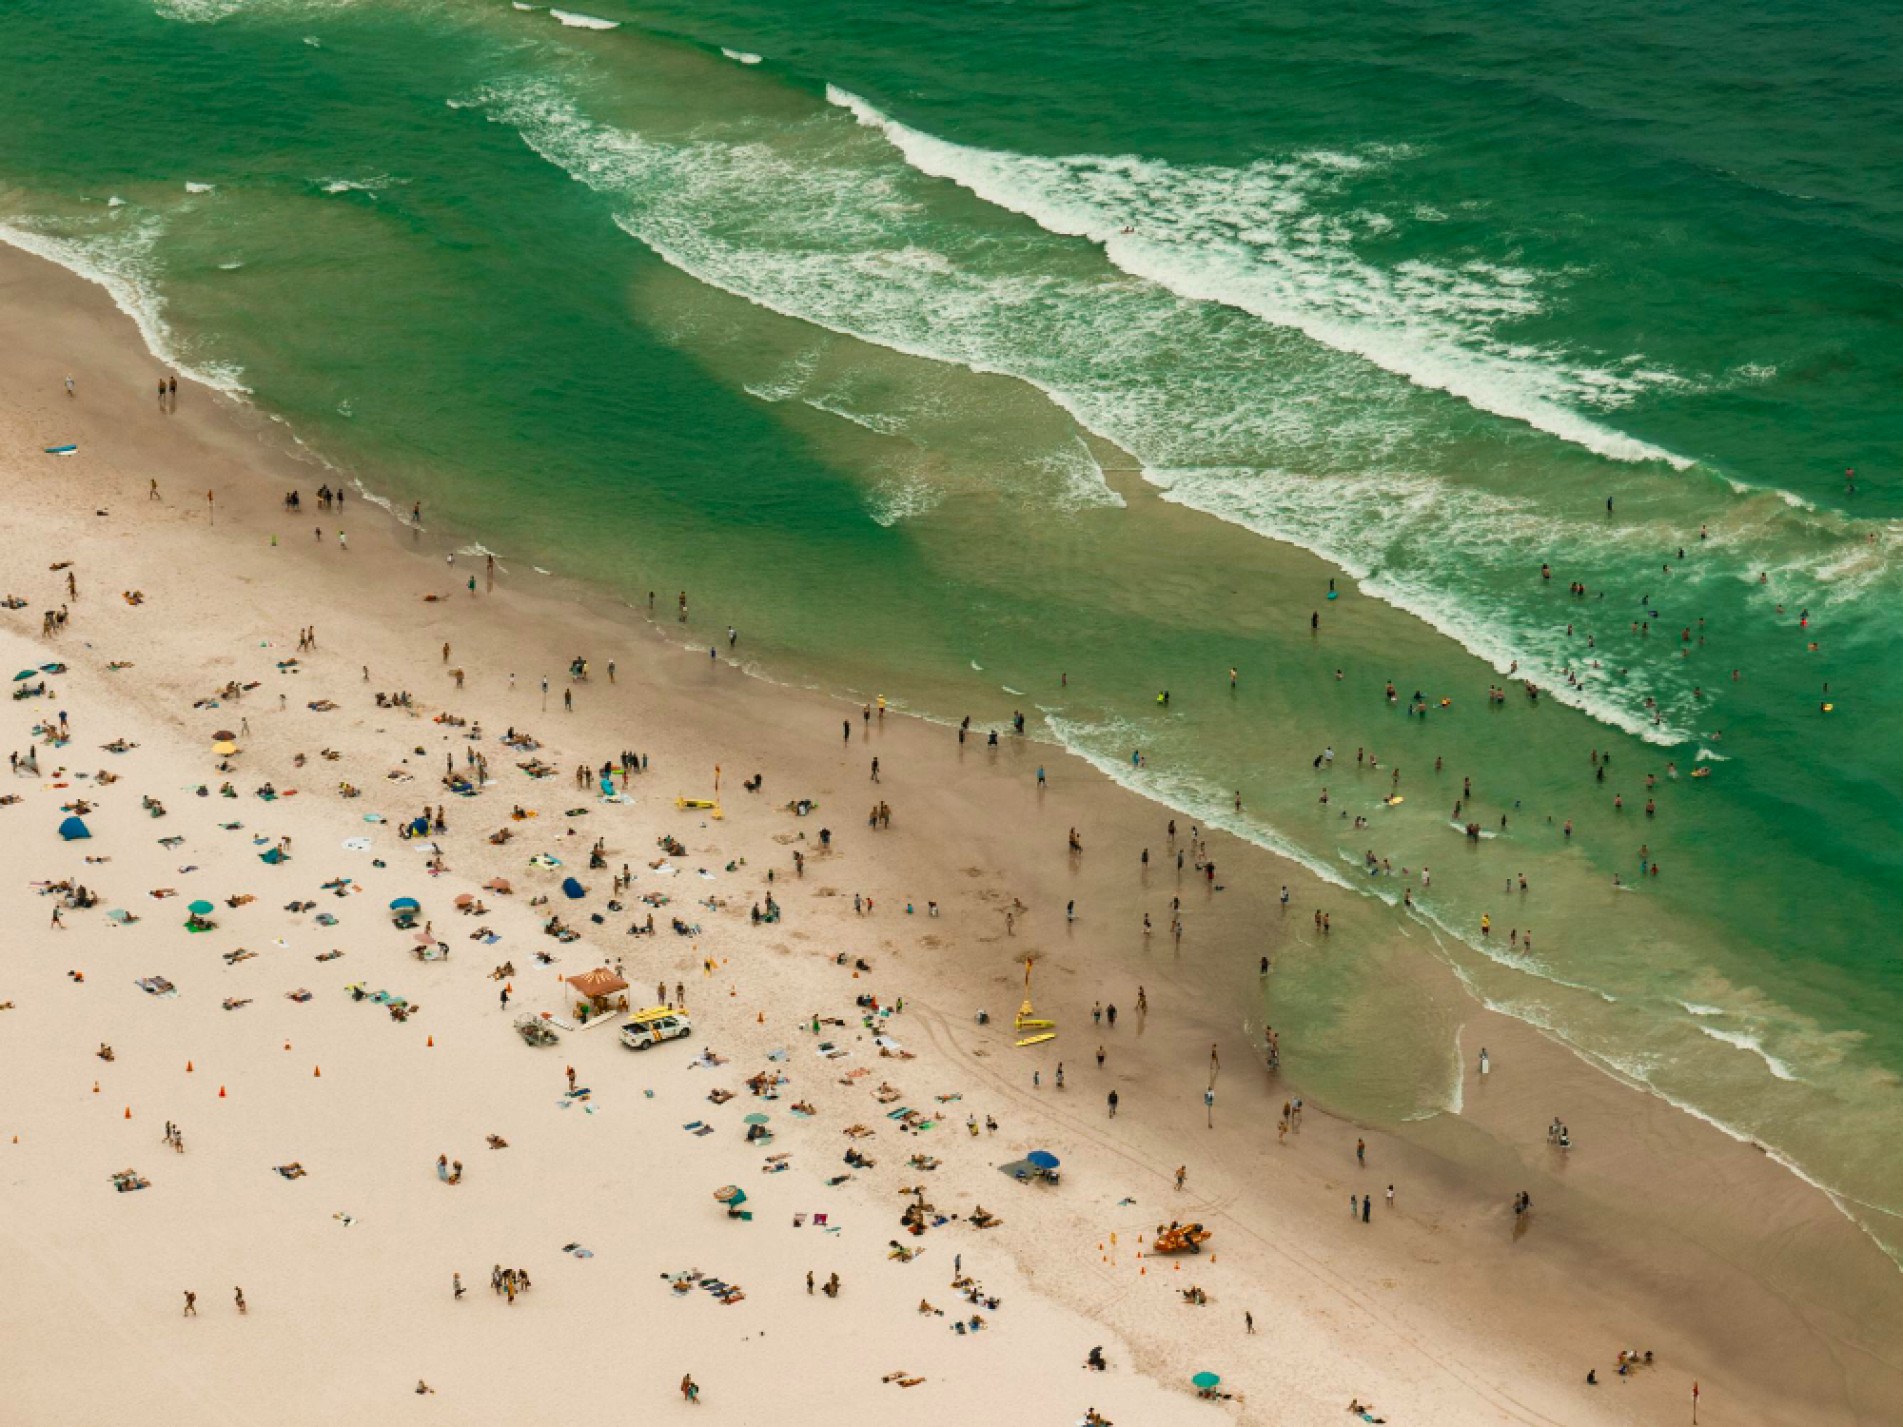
(67, 450)
(1038, 1039)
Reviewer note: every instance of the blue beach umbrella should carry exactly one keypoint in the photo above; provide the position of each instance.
(406, 904)
(1043, 1159)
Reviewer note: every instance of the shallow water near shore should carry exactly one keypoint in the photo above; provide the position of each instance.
(968, 362)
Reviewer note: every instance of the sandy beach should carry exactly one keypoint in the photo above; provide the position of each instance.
(859, 1003)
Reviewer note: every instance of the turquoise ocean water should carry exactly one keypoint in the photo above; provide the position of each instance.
(948, 349)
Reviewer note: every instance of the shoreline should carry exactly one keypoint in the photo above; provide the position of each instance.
(1788, 1151)
(959, 803)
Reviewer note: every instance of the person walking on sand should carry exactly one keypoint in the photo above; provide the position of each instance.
(191, 1304)
(237, 1295)
(1248, 1321)
(1361, 1152)
(690, 1389)
(1113, 1104)
(1182, 1173)
(456, 1286)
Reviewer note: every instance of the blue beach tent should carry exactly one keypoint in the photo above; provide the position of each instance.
(573, 889)
(73, 829)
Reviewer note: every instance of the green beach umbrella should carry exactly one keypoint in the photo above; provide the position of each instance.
(1205, 1380)
(25, 674)
(200, 909)
(756, 1118)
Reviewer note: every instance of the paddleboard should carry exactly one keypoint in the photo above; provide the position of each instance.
(67, 450)
(1038, 1040)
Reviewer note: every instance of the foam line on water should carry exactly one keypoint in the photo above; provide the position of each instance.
(1331, 517)
(1244, 237)
(1751, 1043)
(120, 264)
(1185, 794)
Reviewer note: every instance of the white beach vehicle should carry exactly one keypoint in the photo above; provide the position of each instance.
(654, 1025)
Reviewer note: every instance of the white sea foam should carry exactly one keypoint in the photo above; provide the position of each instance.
(1751, 1043)
(1406, 538)
(121, 263)
(376, 183)
(584, 22)
(206, 12)
(740, 56)
(1179, 791)
(1249, 238)
(902, 498)
(880, 423)
(200, 187)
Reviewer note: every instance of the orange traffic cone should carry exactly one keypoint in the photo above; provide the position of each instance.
(221, 1092)
(432, 1040)
(188, 1067)
(95, 1087)
(317, 1072)
(128, 1112)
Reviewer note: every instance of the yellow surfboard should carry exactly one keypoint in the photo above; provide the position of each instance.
(1038, 1039)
